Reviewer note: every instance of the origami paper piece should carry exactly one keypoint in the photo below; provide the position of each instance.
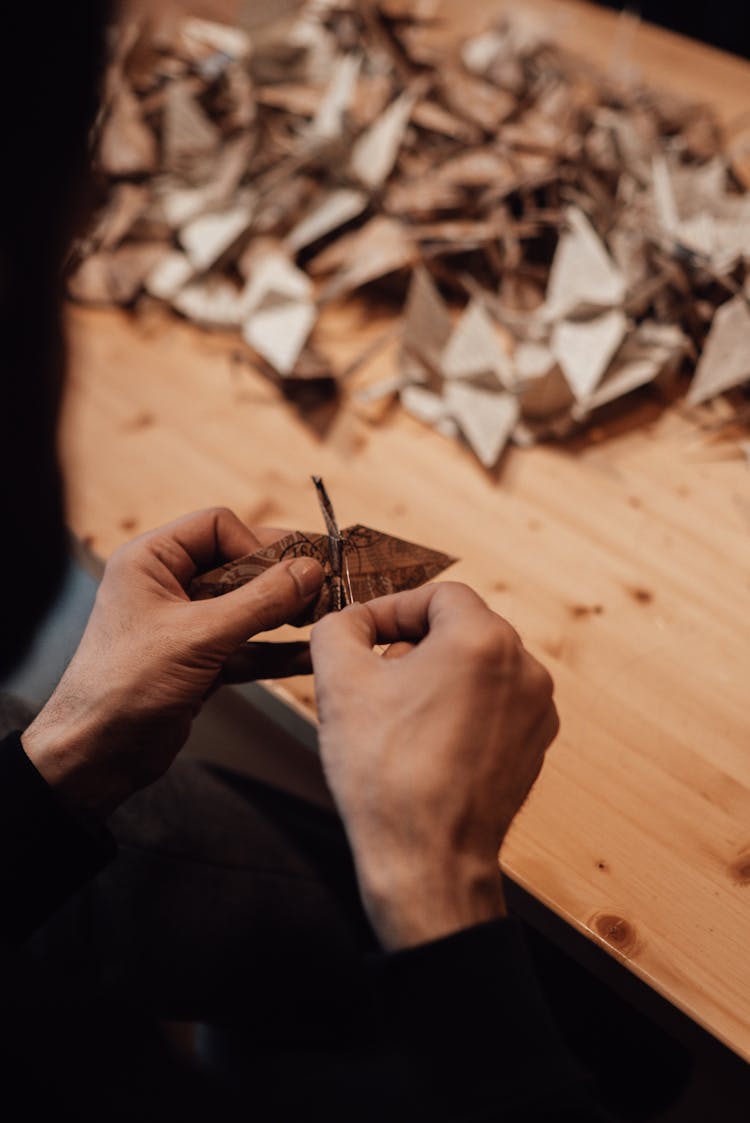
(213, 302)
(348, 138)
(427, 406)
(114, 276)
(584, 348)
(329, 119)
(474, 351)
(127, 146)
(583, 275)
(359, 564)
(380, 247)
(376, 150)
(210, 235)
(543, 391)
(485, 418)
(168, 275)
(128, 202)
(227, 40)
(255, 15)
(278, 311)
(333, 211)
(644, 355)
(187, 133)
(725, 361)
(427, 322)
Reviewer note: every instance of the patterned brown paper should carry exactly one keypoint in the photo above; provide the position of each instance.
(374, 564)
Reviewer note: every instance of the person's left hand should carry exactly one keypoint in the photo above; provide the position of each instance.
(150, 656)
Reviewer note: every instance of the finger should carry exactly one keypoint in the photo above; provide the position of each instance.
(550, 727)
(195, 543)
(541, 736)
(348, 637)
(260, 660)
(411, 615)
(398, 650)
(342, 641)
(277, 596)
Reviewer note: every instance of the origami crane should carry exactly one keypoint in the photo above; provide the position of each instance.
(359, 563)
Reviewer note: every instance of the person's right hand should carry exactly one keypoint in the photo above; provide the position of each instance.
(429, 751)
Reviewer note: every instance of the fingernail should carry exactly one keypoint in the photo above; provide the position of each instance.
(307, 575)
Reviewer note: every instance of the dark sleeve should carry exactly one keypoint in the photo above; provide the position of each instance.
(46, 853)
(474, 1038)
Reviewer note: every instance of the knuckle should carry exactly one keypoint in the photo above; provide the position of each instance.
(120, 555)
(457, 590)
(118, 562)
(540, 683)
(212, 516)
(319, 633)
(495, 642)
(166, 550)
(452, 588)
(325, 629)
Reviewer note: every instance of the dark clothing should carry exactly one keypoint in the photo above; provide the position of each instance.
(234, 904)
(49, 853)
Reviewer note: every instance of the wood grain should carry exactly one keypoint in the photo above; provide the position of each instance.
(622, 560)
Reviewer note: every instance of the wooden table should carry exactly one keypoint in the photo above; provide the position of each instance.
(622, 559)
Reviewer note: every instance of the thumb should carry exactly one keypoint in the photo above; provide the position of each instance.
(342, 640)
(278, 596)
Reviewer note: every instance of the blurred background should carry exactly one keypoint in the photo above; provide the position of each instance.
(722, 23)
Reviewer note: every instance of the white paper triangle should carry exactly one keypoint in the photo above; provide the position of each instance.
(585, 348)
(474, 349)
(583, 275)
(207, 237)
(336, 209)
(427, 324)
(278, 332)
(376, 150)
(725, 361)
(486, 418)
(328, 123)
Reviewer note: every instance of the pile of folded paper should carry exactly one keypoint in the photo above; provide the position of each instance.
(552, 236)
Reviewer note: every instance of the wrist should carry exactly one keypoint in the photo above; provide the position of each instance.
(408, 907)
(63, 751)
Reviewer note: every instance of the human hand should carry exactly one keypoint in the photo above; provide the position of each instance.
(429, 751)
(150, 656)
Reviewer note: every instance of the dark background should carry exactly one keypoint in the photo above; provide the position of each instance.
(723, 23)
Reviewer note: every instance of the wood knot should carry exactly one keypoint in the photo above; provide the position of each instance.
(580, 611)
(642, 596)
(553, 648)
(143, 420)
(618, 933)
(739, 871)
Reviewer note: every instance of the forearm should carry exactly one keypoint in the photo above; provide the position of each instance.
(48, 853)
(473, 1037)
(415, 898)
